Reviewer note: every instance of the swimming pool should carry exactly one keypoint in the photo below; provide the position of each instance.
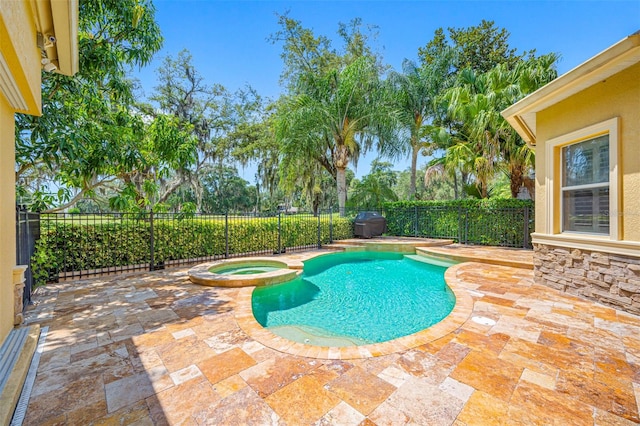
(355, 298)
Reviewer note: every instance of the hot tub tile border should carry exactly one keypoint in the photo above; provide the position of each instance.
(201, 274)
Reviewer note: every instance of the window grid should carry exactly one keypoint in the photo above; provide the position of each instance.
(585, 186)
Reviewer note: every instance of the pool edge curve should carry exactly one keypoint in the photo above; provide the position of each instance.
(454, 320)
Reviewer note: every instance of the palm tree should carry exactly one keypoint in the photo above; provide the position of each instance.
(336, 117)
(415, 91)
(376, 187)
(527, 77)
(468, 149)
(485, 139)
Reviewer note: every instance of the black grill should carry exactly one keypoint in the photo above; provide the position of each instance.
(369, 224)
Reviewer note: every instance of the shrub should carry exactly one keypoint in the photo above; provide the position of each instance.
(83, 245)
(471, 221)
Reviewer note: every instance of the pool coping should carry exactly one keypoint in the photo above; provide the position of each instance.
(458, 316)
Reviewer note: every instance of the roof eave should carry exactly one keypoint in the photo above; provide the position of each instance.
(621, 55)
(65, 22)
(57, 25)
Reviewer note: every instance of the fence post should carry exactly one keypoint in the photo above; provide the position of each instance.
(525, 243)
(319, 235)
(466, 226)
(460, 225)
(279, 233)
(226, 234)
(331, 225)
(415, 221)
(151, 242)
(23, 249)
(18, 233)
(26, 297)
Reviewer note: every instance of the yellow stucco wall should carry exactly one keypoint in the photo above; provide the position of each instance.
(20, 51)
(618, 96)
(7, 217)
(22, 73)
(20, 91)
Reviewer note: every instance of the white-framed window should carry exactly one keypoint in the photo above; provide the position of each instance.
(585, 186)
(586, 190)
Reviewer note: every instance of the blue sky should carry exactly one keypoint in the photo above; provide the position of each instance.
(228, 39)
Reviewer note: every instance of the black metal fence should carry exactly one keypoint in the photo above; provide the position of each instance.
(80, 246)
(503, 226)
(74, 246)
(27, 233)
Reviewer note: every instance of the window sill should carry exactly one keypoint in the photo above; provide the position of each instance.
(588, 242)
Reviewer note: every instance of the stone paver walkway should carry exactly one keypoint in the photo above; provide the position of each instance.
(156, 349)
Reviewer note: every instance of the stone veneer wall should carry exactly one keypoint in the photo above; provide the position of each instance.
(607, 278)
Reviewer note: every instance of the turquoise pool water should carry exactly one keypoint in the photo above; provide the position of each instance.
(357, 298)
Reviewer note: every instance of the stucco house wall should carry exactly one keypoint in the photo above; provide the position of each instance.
(7, 217)
(599, 97)
(22, 23)
(20, 63)
(617, 96)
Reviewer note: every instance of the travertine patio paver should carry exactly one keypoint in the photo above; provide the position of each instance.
(156, 349)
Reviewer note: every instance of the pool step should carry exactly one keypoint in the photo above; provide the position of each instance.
(313, 336)
(431, 260)
(515, 258)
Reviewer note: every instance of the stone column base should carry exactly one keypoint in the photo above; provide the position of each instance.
(18, 283)
(607, 278)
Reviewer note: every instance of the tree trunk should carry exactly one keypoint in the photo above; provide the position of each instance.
(530, 184)
(341, 180)
(341, 161)
(484, 193)
(517, 180)
(197, 190)
(315, 205)
(169, 190)
(455, 185)
(414, 166)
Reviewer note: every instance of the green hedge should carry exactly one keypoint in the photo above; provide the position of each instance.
(65, 247)
(105, 242)
(485, 222)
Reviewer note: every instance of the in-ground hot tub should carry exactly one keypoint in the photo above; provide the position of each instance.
(244, 272)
